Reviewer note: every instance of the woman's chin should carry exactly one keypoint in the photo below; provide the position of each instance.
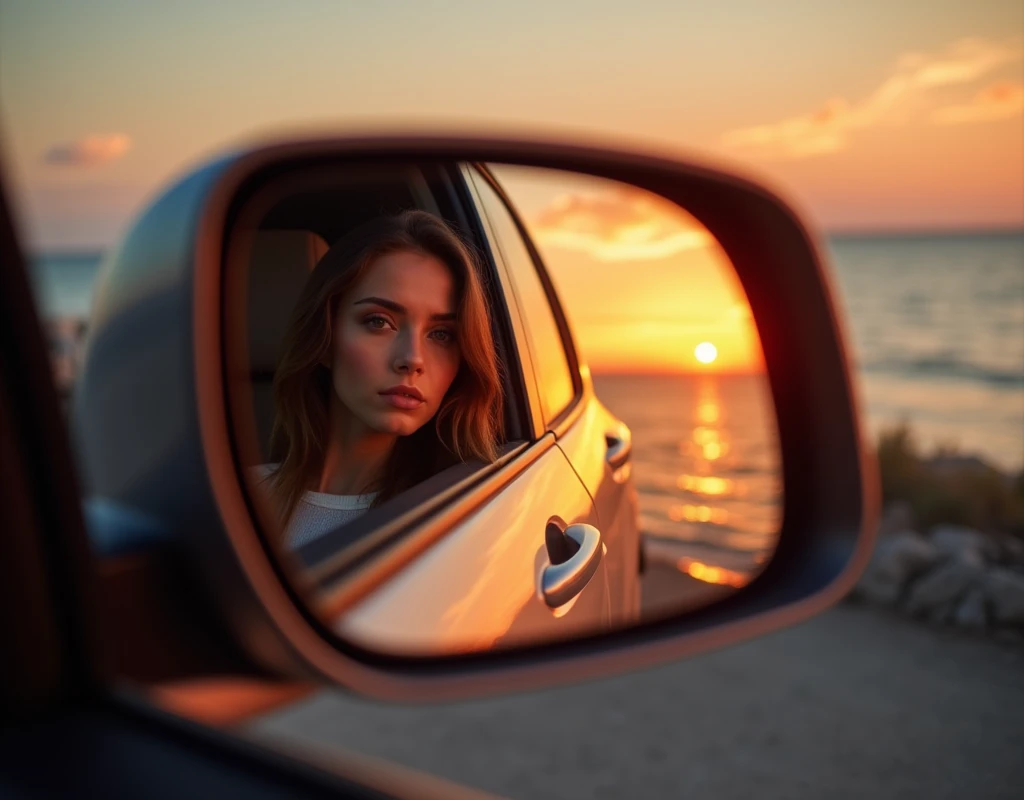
(398, 424)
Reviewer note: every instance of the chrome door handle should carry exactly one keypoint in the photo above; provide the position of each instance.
(560, 583)
(620, 446)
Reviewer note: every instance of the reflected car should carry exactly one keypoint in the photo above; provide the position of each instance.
(556, 551)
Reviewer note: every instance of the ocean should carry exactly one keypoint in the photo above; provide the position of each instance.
(936, 326)
(705, 464)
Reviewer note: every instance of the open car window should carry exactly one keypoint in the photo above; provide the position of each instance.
(281, 233)
(550, 350)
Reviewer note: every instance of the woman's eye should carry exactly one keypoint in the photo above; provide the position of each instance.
(377, 323)
(443, 336)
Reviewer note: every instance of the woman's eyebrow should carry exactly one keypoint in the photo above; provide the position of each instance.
(398, 308)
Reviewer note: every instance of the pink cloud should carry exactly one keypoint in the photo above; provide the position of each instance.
(912, 89)
(965, 61)
(620, 224)
(89, 151)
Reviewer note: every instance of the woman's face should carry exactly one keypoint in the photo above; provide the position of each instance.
(395, 349)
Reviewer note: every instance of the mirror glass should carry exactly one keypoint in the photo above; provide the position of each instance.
(481, 406)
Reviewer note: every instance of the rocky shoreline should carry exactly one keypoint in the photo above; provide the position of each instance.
(951, 575)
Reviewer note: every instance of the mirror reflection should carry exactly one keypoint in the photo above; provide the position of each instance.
(487, 406)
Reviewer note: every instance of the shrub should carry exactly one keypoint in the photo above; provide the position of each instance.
(948, 486)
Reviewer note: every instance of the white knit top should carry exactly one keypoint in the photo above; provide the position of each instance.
(317, 512)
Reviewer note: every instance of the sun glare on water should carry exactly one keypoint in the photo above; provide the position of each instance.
(706, 352)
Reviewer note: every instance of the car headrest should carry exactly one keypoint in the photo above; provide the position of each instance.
(280, 263)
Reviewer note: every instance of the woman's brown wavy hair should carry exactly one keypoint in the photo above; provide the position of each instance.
(468, 423)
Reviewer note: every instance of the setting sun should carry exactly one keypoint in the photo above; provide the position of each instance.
(706, 352)
(645, 286)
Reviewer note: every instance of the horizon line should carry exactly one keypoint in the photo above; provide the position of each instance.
(598, 372)
(856, 232)
(852, 232)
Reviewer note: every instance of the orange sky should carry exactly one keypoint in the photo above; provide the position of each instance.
(643, 283)
(869, 115)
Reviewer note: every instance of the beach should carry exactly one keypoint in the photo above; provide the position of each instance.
(850, 704)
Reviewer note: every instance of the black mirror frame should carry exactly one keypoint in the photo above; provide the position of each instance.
(163, 290)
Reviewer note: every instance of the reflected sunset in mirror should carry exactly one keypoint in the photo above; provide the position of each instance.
(658, 313)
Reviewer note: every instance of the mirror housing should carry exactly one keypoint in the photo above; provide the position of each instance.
(150, 418)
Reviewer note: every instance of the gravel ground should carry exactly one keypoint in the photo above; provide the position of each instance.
(853, 703)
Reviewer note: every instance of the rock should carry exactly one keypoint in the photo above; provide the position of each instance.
(971, 613)
(937, 593)
(962, 543)
(879, 592)
(942, 613)
(897, 560)
(1009, 636)
(1005, 591)
(969, 556)
(1011, 551)
(897, 517)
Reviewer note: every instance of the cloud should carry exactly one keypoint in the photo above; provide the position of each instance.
(617, 225)
(998, 101)
(913, 88)
(966, 61)
(89, 151)
(820, 131)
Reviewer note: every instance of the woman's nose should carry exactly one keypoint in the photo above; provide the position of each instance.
(409, 356)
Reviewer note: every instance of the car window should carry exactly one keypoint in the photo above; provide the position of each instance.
(272, 257)
(285, 258)
(551, 363)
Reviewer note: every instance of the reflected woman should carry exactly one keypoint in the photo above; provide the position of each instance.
(389, 374)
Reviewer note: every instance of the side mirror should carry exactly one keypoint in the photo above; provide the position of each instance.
(561, 535)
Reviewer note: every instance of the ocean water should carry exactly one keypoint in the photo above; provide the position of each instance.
(706, 463)
(936, 326)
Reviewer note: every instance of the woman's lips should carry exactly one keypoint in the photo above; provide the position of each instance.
(403, 398)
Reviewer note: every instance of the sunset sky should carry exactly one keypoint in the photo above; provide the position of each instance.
(643, 283)
(870, 115)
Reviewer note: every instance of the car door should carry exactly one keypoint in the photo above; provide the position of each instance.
(494, 563)
(596, 444)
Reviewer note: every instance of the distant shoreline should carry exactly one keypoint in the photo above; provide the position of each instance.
(678, 373)
(923, 233)
(92, 252)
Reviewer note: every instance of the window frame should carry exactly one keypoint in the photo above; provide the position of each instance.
(517, 324)
(331, 559)
(519, 390)
(440, 189)
(567, 415)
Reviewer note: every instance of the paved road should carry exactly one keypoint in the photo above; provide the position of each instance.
(850, 704)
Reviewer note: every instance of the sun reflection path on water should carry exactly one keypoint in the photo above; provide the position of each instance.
(708, 443)
(692, 513)
(709, 574)
(706, 450)
(709, 485)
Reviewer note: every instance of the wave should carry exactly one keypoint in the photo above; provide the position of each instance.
(946, 366)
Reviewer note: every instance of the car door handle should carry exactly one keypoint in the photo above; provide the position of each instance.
(620, 446)
(561, 582)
